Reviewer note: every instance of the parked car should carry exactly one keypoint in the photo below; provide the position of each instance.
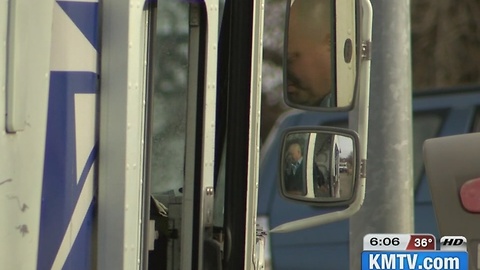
(437, 113)
(343, 167)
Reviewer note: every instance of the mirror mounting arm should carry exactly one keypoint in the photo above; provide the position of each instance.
(323, 219)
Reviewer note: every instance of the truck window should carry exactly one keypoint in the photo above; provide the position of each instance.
(167, 128)
(169, 98)
(476, 121)
(426, 125)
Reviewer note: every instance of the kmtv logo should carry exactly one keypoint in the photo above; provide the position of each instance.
(453, 243)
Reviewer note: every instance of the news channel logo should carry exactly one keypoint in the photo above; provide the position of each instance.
(414, 252)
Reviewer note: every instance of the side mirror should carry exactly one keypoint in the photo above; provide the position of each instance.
(321, 54)
(347, 20)
(320, 165)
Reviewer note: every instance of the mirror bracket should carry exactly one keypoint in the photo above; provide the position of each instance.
(367, 50)
(363, 168)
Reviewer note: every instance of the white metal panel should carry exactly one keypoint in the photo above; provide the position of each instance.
(70, 37)
(66, 218)
(21, 155)
(209, 116)
(3, 49)
(17, 62)
(22, 35)
(81, 209)
(84, 125)
(208, 138)
(135, 128)
(121, 134)
(254, 123)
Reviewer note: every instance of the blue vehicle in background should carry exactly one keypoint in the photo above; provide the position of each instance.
(438, 113)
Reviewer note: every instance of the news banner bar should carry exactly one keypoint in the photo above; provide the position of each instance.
(414, 252)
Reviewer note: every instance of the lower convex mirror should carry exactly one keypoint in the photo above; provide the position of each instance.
(319, 165)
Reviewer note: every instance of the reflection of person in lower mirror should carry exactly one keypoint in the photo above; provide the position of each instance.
(321, 185)
(320, 173)
(294, 170)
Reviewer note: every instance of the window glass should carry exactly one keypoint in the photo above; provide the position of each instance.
(476, 121)
(425, 126)
(170, 97)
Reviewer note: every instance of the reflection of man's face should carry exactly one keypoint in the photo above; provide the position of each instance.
(309, 61)
(294, 153)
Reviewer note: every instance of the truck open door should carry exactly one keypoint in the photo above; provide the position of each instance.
(452, 168)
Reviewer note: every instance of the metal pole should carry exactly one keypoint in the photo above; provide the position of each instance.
(388, 205)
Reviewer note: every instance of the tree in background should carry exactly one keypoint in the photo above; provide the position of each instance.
(445, 43)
